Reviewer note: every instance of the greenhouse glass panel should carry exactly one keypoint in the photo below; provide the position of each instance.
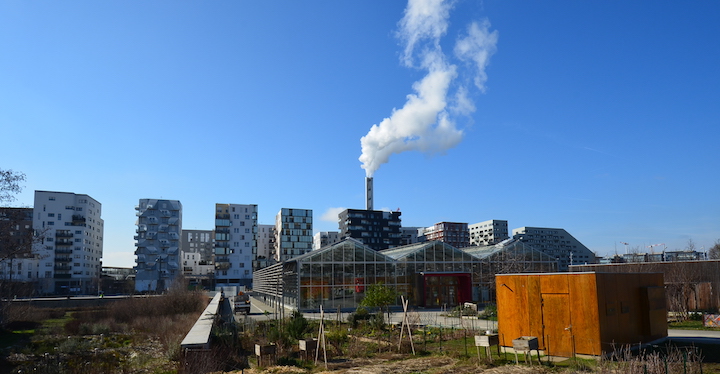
(370, 272)
(337, 255)
(359, 254)
(326, 256)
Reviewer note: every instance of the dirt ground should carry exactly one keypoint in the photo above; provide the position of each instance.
(429, 365)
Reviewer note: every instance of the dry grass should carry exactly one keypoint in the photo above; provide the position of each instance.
(132, 335)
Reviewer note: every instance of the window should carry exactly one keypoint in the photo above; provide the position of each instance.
(51, 214)
(50, 223)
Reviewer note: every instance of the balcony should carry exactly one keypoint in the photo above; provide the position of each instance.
(63, 234)
(62, 267)
(62, 276)
(63, 242)
(63, 251)
(62, 259)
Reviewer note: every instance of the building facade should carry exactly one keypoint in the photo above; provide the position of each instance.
(488, 232)
(197, 251)
(293, 233)
(556, 243)
(377, 229)
(18, 262)
(325, 238)
(266, 247)
(235, 244)
(70, 256)
(411, 235)
(159, 226)
(454, 233)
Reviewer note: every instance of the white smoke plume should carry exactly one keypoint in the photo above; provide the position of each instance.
(426, 122)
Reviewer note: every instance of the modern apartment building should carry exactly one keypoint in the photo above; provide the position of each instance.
(411, 235)
(266, 247)
(376, 229)
(159, 226)
(293, 233)
(454, 233)
(556, 243)
(488, 232)
(18, 262)
(197, 251)
(235, 244)
(325, 238)
(71, 252)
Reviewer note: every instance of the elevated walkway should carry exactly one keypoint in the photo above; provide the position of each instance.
(199, 335)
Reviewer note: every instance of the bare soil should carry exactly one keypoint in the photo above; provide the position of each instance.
(395, 365)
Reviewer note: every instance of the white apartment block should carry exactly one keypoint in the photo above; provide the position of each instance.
(194, 266)
(72, 230)
(266, 247)
(325, 238)
(293, 233)
(197, 249)
(556, 243)
(488, 232)
(157, 251)
(235, 244)
(22, 269)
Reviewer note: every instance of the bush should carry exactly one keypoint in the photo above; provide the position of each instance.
(360, 314)
(336, 338)
(377, 321)
(489, 312)
(298, 326)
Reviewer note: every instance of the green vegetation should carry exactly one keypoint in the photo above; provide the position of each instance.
(690, 325)
(379, 296)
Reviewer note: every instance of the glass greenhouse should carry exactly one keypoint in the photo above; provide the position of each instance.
(429, 274)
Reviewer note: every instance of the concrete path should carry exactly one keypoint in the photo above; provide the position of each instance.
(433, 318)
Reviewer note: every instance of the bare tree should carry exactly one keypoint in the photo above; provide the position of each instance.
(714, 251)
(10, 185)
(690, 246)
(17, 239)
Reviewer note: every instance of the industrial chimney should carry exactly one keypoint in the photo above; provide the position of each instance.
(368, 193)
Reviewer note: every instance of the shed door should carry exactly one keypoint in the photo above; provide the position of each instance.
(557, 331)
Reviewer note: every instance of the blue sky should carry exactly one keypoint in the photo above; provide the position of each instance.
(601, 118)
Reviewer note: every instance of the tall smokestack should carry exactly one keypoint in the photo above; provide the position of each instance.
(368, 193)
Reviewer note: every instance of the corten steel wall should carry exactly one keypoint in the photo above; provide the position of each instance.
(584, 313)
(700, 277)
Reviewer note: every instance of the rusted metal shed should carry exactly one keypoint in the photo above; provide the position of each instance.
(581, 313)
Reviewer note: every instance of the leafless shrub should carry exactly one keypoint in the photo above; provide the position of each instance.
(675, 360)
